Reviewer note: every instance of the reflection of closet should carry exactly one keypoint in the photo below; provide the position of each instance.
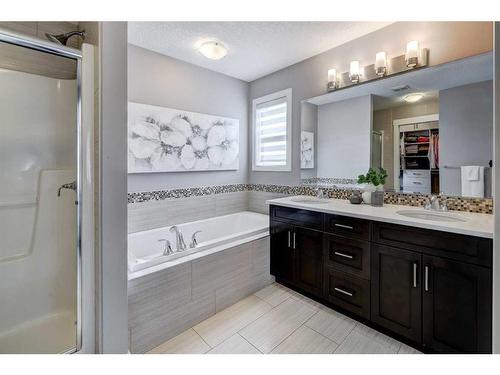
(417, 157)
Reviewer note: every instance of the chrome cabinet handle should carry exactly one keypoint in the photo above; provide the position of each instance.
(426, 278)
(343, 255)
(415, 275)
(344, 226)
(343, 292)
(294, 242)
(289, 243)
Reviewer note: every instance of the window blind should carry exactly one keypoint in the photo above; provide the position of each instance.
(270, 133)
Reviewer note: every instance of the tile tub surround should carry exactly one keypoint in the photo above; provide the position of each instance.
(476, 224)
(278, 320)
(165, 303)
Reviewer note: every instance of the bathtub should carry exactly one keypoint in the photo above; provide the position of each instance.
(145, 249)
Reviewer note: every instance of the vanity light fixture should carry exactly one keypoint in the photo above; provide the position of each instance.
(413, 97)
(381, 64)
(332, 79)
(213, 50)
(354, 71)
(412, 52)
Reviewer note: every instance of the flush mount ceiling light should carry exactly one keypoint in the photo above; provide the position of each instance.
(414, 97)
(213, 50)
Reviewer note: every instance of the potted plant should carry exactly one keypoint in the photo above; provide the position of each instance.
(374, 180)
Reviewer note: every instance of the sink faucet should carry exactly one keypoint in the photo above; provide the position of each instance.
(320, 194)
(179, 238)
(434, 205)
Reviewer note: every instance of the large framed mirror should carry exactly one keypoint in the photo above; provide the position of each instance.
(431, 129)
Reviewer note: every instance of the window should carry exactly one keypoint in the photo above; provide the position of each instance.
(272, 132)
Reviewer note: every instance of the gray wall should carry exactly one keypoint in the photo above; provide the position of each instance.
(112, 314)
(309, 122)
(344, 138)
(465, 132)
(447, 41)
(163, 81)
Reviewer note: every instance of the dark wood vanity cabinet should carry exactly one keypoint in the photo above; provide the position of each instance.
(432, 288)
(396, 291)
(456, 306)
(297, 253)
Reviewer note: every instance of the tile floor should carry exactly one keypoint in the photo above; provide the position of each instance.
(279, 320)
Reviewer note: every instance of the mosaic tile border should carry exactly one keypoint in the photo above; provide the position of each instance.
(477, 205)
(329, 180)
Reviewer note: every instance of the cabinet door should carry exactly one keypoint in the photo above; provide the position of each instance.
(282, 259)
(308, 247)
(456, 306)
(396, 295)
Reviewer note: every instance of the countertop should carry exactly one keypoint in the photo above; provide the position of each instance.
(480, 225)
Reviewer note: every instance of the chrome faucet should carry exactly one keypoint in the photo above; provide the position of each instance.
(434, 205)
(167, 250)
(320, 194)
(179, 238)
(194, 241)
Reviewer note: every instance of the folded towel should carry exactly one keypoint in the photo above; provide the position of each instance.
(471, 187)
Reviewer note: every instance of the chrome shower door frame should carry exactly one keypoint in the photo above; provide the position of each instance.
(67, 52)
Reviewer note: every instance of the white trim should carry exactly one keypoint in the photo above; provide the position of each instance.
(255, 102)
(416, 120)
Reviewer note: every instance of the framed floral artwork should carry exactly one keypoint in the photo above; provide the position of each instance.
(306, 150)
(171, 140)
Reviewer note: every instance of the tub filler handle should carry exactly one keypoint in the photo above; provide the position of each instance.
(194, 241)
(167, 250)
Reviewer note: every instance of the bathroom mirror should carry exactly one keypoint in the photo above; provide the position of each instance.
(431, 129)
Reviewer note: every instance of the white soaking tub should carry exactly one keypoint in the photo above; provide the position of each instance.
(145, 249)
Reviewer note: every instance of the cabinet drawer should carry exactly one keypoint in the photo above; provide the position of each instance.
(475, 250)
(412, 173)
(416, 181)
(348, 292)
(348, 255)
(348, 227)
(302, 218)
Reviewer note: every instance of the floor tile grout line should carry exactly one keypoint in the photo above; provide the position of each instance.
(202, 339)
(253, 346)
(338, 343)
(236, 331)
(274, 347)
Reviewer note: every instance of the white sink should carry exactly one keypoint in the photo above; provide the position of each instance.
(432, 216)
(309, 200)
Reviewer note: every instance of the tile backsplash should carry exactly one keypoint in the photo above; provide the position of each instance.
(154, 209)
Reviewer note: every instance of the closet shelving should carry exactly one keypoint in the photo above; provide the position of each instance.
(418, 172)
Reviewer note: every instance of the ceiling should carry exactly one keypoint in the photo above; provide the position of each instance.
(255, 49)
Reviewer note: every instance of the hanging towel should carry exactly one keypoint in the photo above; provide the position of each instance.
(472, 181)
(471, 172)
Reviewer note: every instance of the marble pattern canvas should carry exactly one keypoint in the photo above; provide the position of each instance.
(306, 150)
(170, 140)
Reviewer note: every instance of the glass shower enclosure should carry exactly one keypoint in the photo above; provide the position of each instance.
(39, 196)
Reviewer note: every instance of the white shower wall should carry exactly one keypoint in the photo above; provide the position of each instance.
(37, 229)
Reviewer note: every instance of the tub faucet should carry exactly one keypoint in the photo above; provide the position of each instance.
(179, 238)
(194, 241)
(167, 250)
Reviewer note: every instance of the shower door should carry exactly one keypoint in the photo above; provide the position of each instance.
(39, 225)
